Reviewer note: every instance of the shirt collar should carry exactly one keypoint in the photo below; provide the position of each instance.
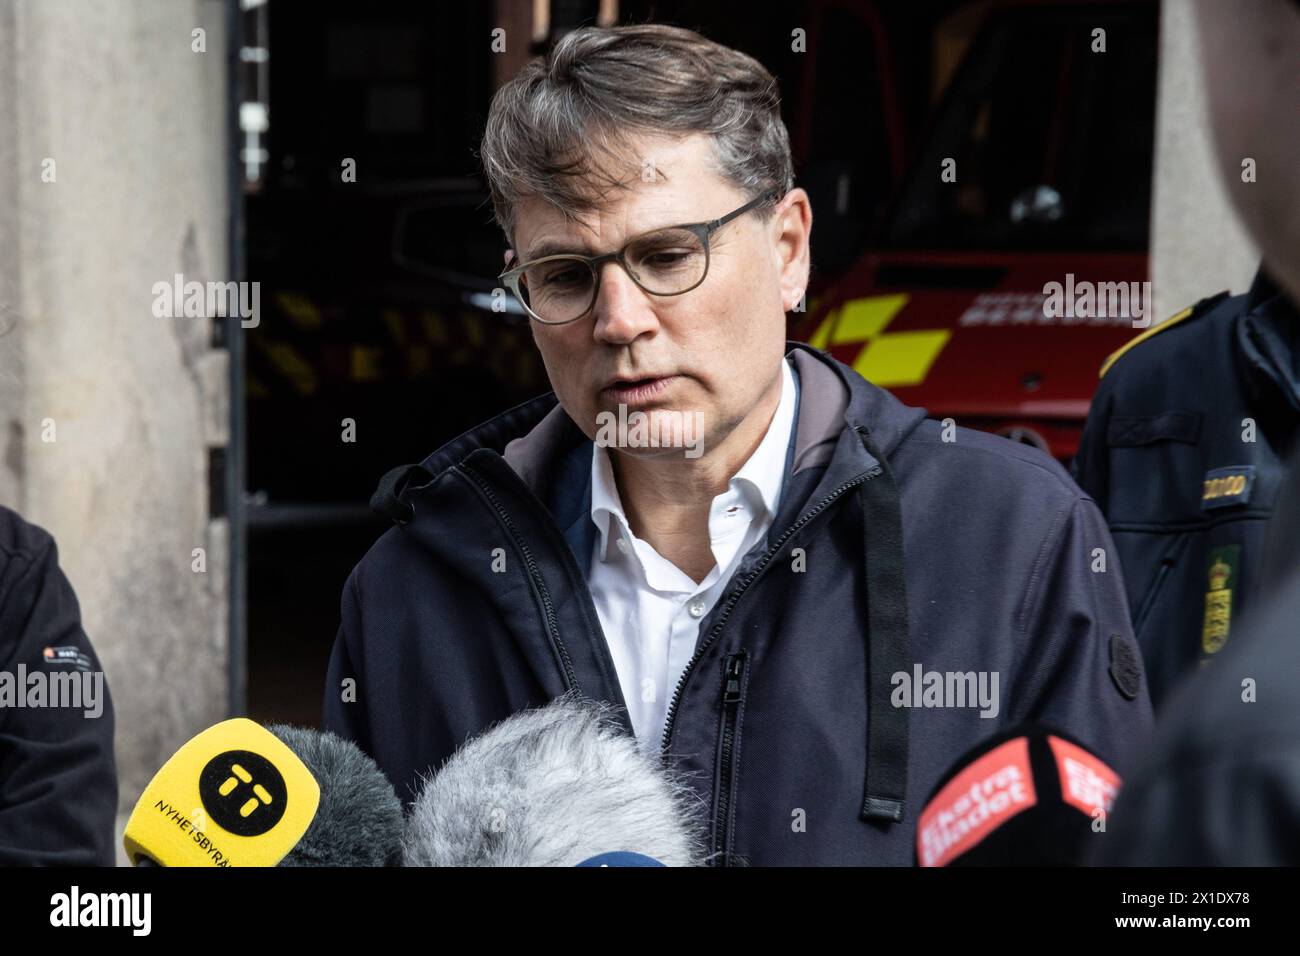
(763, 474)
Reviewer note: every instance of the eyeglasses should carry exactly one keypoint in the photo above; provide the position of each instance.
(672, 260)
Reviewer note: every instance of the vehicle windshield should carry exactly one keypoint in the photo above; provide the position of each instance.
(1052, 140)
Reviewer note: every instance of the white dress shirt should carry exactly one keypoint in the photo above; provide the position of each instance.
(649, 609)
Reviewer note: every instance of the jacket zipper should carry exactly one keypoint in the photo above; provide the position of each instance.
(534, 574)
(753, 575)
(732, 695)
(732, 686)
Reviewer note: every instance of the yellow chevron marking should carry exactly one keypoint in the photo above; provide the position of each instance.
(289, 364)
(396, 327)
(301, 311)
(823, 333)
(866, 318)
(366, 363)
(900, 358)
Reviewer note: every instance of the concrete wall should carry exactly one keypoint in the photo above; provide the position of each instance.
(1198, 246)
(135, 123)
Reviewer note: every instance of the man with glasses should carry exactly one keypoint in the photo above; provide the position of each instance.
(560, 288)
(809, 621)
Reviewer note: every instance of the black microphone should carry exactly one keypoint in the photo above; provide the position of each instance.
(359, 821)
(1031, 796)
(560, 785)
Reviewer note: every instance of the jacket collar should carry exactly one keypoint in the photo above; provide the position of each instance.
(758, 482)
(829, 398)
(1268, 339)
(552, 456)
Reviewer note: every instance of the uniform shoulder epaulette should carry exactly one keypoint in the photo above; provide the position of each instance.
(1192, 311)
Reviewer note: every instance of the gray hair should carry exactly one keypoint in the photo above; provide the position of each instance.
(597, 85)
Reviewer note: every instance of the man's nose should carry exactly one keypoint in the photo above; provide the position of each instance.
(622, 310)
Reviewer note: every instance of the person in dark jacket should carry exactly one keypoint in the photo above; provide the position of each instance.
(813, 606)
(1220, 785)
(1184, 451)
(58, 782)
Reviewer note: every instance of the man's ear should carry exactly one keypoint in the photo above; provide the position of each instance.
(793, 247)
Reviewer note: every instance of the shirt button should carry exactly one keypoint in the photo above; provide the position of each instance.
(622, 545)
(696, 608)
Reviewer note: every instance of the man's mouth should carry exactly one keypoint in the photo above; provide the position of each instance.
(638, 390)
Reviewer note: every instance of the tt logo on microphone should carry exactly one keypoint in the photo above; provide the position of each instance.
(240, 775)
(242, 792)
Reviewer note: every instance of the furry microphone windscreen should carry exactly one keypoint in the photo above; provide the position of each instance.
(553, 786)
(359, 821)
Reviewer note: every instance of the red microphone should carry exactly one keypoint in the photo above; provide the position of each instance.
(1030, 796)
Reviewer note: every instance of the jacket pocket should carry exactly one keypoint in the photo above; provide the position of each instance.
(1129, 432)
(1159, 583)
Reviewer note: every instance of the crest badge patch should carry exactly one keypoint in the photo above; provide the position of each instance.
(1222, 579)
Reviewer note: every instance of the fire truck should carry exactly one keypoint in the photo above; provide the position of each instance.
(1034, 176)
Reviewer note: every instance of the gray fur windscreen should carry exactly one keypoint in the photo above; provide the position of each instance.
(359, 821)
(552, 787)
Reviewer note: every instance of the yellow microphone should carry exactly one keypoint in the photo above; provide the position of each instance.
(234, 795)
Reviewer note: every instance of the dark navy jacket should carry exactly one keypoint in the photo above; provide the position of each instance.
(1187, 484)
(58, 781)
(899, 542)
(1220, 783)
